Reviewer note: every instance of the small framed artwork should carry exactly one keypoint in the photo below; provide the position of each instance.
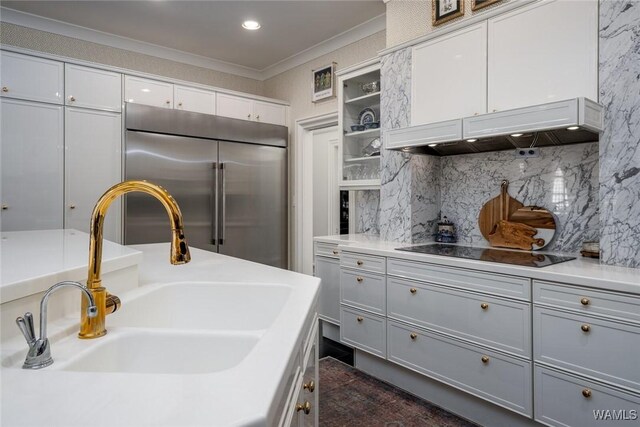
(479, 4)
(446, 10)
(324, 82)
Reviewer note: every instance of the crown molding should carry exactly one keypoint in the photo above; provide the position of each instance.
(352, 35)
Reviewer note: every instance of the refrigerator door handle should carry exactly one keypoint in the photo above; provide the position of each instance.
(214, 216)
(223, 205)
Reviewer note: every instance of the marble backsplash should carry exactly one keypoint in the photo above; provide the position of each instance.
(367, 206)
(563, 179)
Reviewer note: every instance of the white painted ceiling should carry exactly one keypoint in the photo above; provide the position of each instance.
(213, 28)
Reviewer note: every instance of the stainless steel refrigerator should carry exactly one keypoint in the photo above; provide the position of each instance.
(228, 176)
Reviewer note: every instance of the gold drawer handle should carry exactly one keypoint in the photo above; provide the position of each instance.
(311, 385)
(585, 328)
(413, 336)
(335, 252)
(586, 393)
(585, 301)
(305, 407)
(413, 290)
(359, 279)
(359, 319)
(485, 359)
(5, 89)
(359, 262)
(484, 306)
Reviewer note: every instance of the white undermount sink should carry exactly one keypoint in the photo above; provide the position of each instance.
(151, 352)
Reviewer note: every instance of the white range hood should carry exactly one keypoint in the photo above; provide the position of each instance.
(572, 121)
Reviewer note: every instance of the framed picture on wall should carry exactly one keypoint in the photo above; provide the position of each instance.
(324, 82)
(479, 4)
(446, 10)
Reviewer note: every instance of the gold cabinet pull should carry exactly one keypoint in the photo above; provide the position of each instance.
(258, 117)
(72, 206)
(311, 385)
(586, 393)
(585, 301)
(485, 359)
(413, 290)
(179, 104)
(359, 279)
(248, 116)
(585, 328)
(304, 407)
(359, 262)
(72, 98)
(5, 207)
(359, 319)
(413, 336)
(5, 89)
(335, 252)
(484, 306)
(168, 101)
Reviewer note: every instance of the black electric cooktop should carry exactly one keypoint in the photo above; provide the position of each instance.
(526, 259)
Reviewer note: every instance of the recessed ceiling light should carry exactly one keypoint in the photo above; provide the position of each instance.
(251, 25)
(515, 135)
(472, 140)
(573, 128)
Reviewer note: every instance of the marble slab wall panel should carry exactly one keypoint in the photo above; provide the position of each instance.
(563, 179)
(367, 208)
(425, 197)
(395, 192)
(620, 142)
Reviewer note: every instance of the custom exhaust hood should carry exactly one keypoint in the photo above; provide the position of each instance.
(572, 121)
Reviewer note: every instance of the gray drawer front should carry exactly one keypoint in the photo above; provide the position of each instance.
(502, 324)
(328, 269)
(609, 351)
(584, 300)
(560, 402)
(492, 283)
(375, 264)
(503, 380)
(363, 331)
(327, 249)
(363, 290)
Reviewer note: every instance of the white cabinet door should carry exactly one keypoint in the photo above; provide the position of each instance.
(267, 112)
(93, 162)
(31, 78)
(32, 165)
(148, 92)
(328, 269)
(196, 100)
(544, 52)
(234, 106)
(450, 76)
(92, 88)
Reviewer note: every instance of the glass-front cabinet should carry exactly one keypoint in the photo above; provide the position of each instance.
(359, 122)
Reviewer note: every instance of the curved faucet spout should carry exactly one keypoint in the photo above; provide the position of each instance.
(107, 304)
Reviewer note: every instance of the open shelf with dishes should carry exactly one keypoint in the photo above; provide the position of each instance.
(359, 122)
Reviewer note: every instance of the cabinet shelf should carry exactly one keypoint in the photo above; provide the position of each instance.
(359, 159)
(361, 184)
(365, 99)
(363, 133)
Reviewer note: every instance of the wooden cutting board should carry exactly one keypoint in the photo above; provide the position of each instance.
(496, 209)
(539, 218)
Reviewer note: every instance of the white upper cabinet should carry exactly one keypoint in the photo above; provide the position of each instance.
(544, 52)
(93, 160)
(266, 112)
(234, 107)
(32, 165)
(31, 78)
(148, 92)
(449, 76)
(196, 100)
(92, 88)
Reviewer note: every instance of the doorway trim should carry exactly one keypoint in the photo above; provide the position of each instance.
(303, 186)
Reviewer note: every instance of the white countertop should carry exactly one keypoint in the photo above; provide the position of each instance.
(32, 261)
(581, 271)
(247, 394)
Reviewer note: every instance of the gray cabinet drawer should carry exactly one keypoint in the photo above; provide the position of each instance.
(328, 270)
(327, 249)
(560, 401)
(584, 300)
(587, 345)
(495, 322)
(375, 264)
(363, 290)
(501, 379)
(492, 283)
(363, 331)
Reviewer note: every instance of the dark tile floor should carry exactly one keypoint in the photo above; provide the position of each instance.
(351, 398)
